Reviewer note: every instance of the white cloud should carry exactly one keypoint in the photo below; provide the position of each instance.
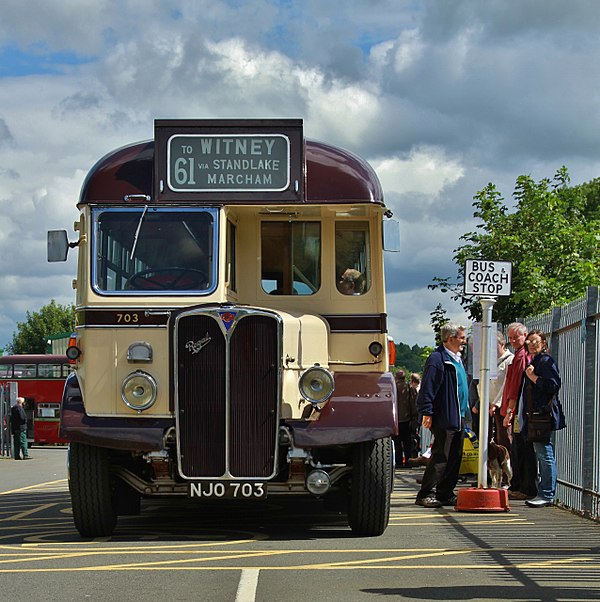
(446, 96)
(424, 170)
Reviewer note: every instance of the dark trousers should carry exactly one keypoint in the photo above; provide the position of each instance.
(20, 444)
(524, 465)
(403, 443)
(503, 435)
(443, 467)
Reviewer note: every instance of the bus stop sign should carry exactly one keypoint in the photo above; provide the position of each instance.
(488, 278)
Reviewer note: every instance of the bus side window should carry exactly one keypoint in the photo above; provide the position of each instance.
(25, 371)
(291, 257)
(5, 371)
(48, 410)
(49, 371)
(352, 258)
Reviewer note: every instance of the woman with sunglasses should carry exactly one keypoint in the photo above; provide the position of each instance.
(540, 392)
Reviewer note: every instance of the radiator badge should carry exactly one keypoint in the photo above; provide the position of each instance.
(195, 346)
(228, 318)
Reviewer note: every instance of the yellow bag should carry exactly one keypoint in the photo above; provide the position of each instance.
(470, 457)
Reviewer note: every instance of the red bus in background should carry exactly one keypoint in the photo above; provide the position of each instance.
(40, 380)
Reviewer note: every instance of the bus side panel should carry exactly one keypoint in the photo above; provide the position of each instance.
(47, 431)
(362, 408)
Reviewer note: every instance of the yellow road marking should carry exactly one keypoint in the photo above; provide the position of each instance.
(552, 563)
(245, 554)
(27, 513)
(398, 567)
(387, 559)
(29, 487)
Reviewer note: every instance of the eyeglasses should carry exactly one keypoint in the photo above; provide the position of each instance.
(533, 341)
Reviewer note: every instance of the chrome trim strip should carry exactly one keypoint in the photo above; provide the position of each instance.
(111, 326)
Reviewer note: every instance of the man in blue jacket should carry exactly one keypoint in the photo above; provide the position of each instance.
(443, 404)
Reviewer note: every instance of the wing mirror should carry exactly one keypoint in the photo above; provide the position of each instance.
(59, 245)
(391, 235)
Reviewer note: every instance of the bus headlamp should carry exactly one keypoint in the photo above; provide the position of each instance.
(316, 384)
(139, 390)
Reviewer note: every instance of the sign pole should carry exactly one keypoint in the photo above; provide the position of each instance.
(484, 381)
(486, 280)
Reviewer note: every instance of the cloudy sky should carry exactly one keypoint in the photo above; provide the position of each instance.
(441, 96)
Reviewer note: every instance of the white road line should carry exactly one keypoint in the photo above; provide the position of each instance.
(246, 591)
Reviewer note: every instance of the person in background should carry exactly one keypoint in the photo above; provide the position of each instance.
(504, 360)
(352, 282)
(407, 414)
(522, 456)
(541, 386)
(443, 404)
(415, 381)
(18, 427)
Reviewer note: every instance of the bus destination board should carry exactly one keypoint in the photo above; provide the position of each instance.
(248, 160)
(204, 163)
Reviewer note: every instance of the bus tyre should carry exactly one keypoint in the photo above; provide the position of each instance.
(371, 488)
(91, 497)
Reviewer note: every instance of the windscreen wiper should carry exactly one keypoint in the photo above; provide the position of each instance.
(137, 231)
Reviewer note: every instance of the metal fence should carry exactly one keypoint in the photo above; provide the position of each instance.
(574, 334)
(5, 438)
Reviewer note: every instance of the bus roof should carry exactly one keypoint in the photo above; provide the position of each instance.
(332, 175)
(34, 358)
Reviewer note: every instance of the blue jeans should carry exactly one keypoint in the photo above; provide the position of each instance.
(547, 468)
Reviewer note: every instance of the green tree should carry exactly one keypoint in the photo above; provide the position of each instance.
(438, 319)
(32, 334)
(552, 239)
(409, 358)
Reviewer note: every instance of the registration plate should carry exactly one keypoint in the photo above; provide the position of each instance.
(226, 489)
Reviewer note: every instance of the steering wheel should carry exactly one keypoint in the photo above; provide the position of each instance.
(173, 279)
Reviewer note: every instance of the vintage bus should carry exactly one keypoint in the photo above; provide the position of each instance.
(40, 380)
(231, 337)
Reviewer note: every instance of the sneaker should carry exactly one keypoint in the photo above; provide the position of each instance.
(428, 502)
(451, 501)
(27, 458)
(538, 502)
(517, 495)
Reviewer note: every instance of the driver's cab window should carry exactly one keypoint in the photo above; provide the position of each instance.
(290, 257)
(154, 251)
(352, 258)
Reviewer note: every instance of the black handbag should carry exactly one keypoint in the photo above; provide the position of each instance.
(539, 422)
(539, 427)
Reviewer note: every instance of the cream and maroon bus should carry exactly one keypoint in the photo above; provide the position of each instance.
(231, 337)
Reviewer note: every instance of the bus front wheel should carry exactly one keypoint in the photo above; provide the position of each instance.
(91, 496)
(371, 490)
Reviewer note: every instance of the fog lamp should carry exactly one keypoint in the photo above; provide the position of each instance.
(139, 390)
(375, 348)
(318, 482)
(316, 384)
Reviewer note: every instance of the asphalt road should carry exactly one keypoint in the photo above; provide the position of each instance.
(293, 551)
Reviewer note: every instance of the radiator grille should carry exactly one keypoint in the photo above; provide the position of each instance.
(227, 395)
